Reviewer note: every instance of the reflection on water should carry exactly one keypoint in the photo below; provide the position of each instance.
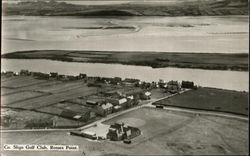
(232, 80)
(227, 34)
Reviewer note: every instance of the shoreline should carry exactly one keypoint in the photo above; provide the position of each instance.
(53, 8)
(205, 61)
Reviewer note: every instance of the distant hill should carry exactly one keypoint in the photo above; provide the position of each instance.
(184, 8)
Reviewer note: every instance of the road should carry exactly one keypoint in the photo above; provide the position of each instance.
(110, 116)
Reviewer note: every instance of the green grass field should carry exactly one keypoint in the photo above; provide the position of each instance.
(210, 99)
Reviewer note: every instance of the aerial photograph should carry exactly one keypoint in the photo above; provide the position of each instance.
(124, 77)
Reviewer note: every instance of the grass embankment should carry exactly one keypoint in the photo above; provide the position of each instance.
(184, 8)
(210, 99)
(213, 61)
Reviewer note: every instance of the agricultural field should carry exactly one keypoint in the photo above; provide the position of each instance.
(5, 91)
(20, 96)
(163, 132)
(46, 99)
(22, 81)
(28, 102)
(210, 99)
(60, 87)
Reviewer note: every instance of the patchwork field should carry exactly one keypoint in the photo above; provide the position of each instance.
(22, 82)
(20, 96)
(5, 91)
(40, 101)
(48, 98)
(210, 99)
(163, 132)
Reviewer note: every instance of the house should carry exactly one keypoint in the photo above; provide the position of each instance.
(85, 134)
(131, 97)
(146, 85)
(24, 72)
(82, 76)
(92, 102)
(162, 84)
(8, 73)
(104, 109)
(53, 74)
(117, 101)
(116, 80)
(146, 95)
(130, 102)
(173, 87)
(121, 131)
(117, 108)
(95, 100)
(187, 84)
(93, 78)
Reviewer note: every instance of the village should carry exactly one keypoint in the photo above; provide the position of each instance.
(92, 98)
(123, 113)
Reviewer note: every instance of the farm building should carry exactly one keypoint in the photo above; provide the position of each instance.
(145, 95)
(187, 84)
(86, 134)
(24, 72)
(83, 116)
(95, 100)
(82, 76)
(104, 109)
(117, 108)
(120, 131)
(53, 74)
(173, 87)
(8, 73)
(93, 78)
(117, 101)
(162, 84)
(92, 102)
(116, 80)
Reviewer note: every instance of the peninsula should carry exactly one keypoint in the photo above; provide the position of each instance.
(211, 61)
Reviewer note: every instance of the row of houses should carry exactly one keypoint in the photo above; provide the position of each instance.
(171, 86)
(9, 73)
(115, 101)
(41, 75)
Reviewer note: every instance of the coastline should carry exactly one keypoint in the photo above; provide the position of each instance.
(207, 61)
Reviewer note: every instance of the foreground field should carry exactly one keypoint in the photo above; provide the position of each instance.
(163, 132)
(210, 99)
(153, 59)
